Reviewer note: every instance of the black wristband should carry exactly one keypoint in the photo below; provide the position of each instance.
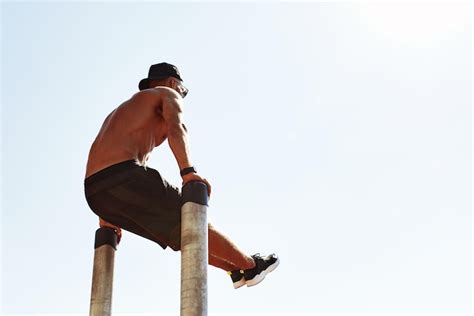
(187, 170)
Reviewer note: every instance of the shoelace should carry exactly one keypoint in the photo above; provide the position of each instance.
(258, 256)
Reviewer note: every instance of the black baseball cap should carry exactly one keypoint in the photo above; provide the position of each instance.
(157, 72)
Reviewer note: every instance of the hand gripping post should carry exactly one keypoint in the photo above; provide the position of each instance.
(194, 252)
(103, 273)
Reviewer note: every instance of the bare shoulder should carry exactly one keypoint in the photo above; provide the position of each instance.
(164, 100)
(158, 92)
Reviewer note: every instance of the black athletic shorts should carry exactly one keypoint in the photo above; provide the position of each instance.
(137, 199)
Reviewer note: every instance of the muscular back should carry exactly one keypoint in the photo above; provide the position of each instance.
(134, 128)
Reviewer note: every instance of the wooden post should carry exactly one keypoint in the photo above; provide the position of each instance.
(103, 273)
(194, 252)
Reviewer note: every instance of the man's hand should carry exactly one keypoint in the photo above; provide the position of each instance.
(195, 177)
(118, 230)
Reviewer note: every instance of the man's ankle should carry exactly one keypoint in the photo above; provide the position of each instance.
(250, 264)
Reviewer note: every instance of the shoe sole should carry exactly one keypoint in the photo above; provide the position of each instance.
(259, 277)
(239, 283)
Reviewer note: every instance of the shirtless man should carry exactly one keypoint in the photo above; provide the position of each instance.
(127, 194)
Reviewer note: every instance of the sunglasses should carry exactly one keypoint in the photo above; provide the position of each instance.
(182, 89)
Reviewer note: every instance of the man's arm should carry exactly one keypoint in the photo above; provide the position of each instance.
(172, 112)
(176, 132)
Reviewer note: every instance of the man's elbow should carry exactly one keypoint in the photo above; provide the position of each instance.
(176, 130)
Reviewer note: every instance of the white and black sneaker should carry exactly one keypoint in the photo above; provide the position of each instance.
(263, 266)
(237, 277)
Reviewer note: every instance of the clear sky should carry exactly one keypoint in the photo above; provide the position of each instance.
(335, 135)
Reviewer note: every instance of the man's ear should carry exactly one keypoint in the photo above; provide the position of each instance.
(174, 83)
